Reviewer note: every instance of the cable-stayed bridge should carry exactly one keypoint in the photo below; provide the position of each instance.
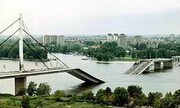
(22, 73)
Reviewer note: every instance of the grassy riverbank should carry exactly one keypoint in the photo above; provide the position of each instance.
(10, 101)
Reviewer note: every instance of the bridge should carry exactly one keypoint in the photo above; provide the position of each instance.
(143, 66)
(20, 76)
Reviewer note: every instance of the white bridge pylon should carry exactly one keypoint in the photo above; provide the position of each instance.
(23, 31)
(21, 63)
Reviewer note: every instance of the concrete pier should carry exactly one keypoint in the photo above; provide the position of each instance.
(167, 64)
(157, 65)
(19, 83)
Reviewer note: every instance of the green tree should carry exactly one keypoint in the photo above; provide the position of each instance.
(141, 100)
(100, 95)
(134, 90)
(177, 97)
(153, 96)
(133, 54)
(120, 52)
(120, 96)
(99, 56)
(168, 101)
(32, 89)
(43, 89)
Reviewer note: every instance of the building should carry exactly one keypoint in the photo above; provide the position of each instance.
(53, 39)
(137, 40)
(46, 39)
(110, 37)
(122, 40)
(152, 43)
(60, 40)
(178, 39)
(172, 37)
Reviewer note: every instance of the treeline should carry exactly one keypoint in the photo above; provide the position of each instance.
(36, 52)
(110, 51)
(131, 97)
(101, 52)
(162, 51)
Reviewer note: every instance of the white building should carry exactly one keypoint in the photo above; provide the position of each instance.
(53, 39)
(110, 37)
(122, 40)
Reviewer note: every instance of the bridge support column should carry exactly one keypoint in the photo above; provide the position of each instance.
(19, 83)
(168, 64)
(157, 65)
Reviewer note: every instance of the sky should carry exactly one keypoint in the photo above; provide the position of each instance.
(94, 17)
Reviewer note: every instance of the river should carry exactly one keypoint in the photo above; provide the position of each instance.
(113, 75)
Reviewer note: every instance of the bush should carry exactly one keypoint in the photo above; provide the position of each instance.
(89, 95)
(21, 92)
(58, 95)
(25, 102)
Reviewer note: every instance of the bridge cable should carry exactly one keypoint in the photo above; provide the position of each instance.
(13, 46)
(25, 27)
(44, 47)
(9, 26)
(9, 37)
(35, 53)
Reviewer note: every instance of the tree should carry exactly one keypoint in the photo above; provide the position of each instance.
(134, 90)
(153, 96)
(120, 96)
(108, 91)
(140, 100)
(167, 101)
(58, 94)
(100, 96)
(25, 102)
(120, 52)
(150, 53)
(89, 95)
(108, 96)
(32, 89)
(133, 54)
(176, 97)
(100, 57)
(43, 89)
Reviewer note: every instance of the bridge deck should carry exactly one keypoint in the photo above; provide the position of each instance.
(142, 65)
(73, 71)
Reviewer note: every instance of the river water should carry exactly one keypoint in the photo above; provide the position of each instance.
(113, 75)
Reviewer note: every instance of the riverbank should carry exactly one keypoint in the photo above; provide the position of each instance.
(128, 59)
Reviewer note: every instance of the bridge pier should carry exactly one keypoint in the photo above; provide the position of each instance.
(167, 64)
(20, 82)
(157, 65)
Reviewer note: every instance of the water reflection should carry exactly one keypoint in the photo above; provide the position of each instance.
(82, 87)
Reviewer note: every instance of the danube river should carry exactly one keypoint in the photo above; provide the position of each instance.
(113, 74)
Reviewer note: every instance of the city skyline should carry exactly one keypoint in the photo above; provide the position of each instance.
(90, 17)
